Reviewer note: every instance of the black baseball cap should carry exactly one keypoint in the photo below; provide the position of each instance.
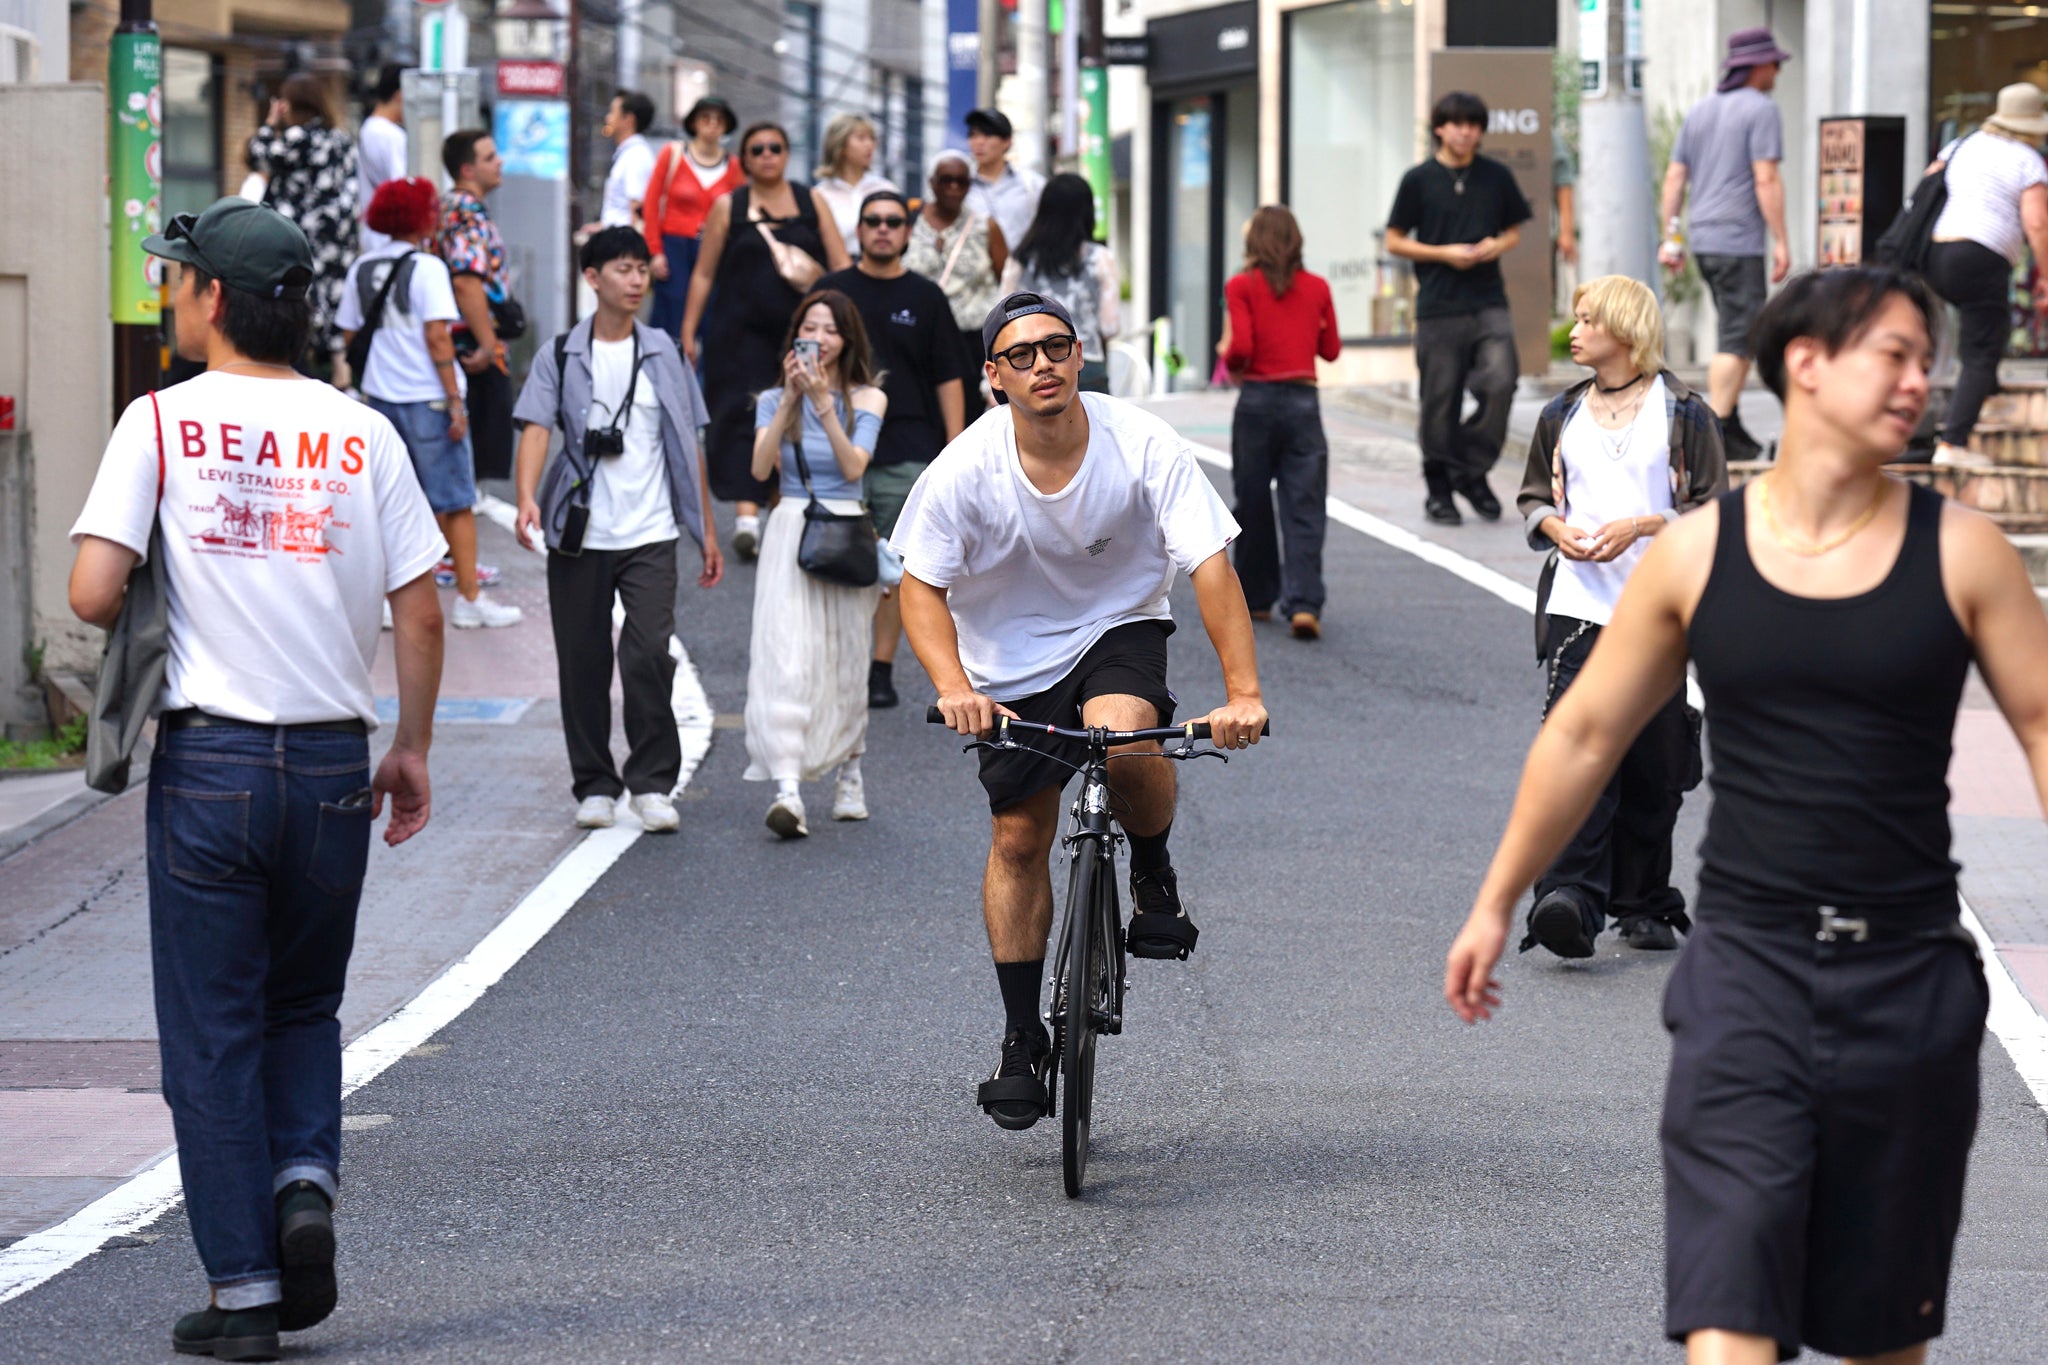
(1019, 305)
(993, 121)
(248, 246)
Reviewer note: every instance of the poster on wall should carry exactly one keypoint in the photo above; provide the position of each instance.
(135, 70)
(533, 138)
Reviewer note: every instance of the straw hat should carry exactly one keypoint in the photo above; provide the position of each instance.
(2021, 111)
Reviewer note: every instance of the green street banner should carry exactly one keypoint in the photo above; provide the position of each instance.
(135, 173)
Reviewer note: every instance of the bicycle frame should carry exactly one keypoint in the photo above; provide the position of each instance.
(1091, 821)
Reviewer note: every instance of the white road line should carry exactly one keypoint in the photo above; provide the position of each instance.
(145, 1197)
(2014, 1019)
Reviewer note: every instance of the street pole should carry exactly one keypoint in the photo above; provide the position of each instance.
(1070, 82)
(1028, 149)
(989, 19)
(135, 180)
(1616, 214)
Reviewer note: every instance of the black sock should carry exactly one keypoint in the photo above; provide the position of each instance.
(881, 668)
(1148, 851)
(1020, 982)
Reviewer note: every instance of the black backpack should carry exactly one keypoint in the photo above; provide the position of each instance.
(1904, 244)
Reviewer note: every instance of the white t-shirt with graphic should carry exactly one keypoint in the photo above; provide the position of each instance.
(400, 368)
(289, 512)
(1034, 579)
(629, 502)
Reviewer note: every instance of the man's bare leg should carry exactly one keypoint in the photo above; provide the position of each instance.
(1016, 889)
(1725, 376)
(1716, 1347)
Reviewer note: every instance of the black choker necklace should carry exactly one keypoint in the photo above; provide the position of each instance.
(1618, 387)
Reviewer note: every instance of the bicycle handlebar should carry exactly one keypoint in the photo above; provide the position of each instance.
(1194, 729)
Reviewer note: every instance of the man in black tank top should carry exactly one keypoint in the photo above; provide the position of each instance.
(1827, 1013)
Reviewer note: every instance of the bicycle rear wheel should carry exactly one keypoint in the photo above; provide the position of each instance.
(1078, 990)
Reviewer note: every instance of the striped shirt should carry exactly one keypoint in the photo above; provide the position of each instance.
(1986, 176)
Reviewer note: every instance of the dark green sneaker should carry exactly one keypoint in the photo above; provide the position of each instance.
(245, 1334)
(305, 1255)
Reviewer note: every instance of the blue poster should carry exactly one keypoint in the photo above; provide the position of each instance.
(963, 67)
(533, 138)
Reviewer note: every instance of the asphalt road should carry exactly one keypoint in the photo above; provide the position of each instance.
(724, 1111)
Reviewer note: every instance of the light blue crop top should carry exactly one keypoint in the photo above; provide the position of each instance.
(826, 479)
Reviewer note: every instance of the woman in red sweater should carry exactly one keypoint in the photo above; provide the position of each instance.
(689, 176)
(1281, 320)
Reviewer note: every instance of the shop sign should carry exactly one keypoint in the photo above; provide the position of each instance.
(534, 80)
(1126, 51)
(1218, 45)
(533, 138)
(135, 66)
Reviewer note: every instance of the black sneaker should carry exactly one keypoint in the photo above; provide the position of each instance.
(881, 685)
(1484, 503)
(1160, 927)
(1442, 511)
(1736, 442)
(1563, 923)
(305, 1255)
(244, 1334)
(1014, 1095)
(1648, 933)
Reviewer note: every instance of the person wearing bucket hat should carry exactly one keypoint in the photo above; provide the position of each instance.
(689, 176)
(1727, 156)
(1997, 206)
(284, 516)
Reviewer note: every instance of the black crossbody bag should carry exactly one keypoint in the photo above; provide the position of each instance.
(359, 344)
(838, 547)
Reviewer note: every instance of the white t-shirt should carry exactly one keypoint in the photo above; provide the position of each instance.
(629, 501)
(632, 166)
(844, 199)
(707, 176)
(1034, 579)
(1986, 176)
(1608, 476)
(289, 512)
(400, 368)
(380, 156)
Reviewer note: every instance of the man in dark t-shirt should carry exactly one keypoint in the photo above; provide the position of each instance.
(917, 348)
(1455, 216)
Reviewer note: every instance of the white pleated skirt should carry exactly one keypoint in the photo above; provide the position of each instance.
(807, 670)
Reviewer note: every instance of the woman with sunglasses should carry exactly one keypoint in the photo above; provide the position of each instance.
(963, 252)
(763, 247)
(807, 667)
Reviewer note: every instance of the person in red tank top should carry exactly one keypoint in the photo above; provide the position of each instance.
(1281, 320)
(689, 176)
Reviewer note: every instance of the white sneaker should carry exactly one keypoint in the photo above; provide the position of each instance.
(657, 813)
(849, 801)
(786, 817)
(746, 536)
(469, 615)
(1960, 456)
(596, 812)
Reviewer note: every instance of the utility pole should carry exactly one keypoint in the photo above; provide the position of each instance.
(135, 90)
(1616, 214)
(1033, 105)
(1070, 82)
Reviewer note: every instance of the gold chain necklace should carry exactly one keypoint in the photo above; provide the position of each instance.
(1808, 550)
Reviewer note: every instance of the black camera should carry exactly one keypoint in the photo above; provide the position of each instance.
(604, 443)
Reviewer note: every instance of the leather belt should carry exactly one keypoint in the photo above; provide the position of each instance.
(1835, 924)
(192, 718)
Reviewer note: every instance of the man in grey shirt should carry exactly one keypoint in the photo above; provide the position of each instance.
(1728, 151)
(1000, 190)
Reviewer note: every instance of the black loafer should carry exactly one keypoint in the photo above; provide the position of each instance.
(1015, 1094)
(305, 1256)
(1442, 511)
(1648, 933)
(244, 1334)
(881, 686)
(1562, 923)
(1482, 499)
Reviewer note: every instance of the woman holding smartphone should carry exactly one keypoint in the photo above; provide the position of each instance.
(807, 673)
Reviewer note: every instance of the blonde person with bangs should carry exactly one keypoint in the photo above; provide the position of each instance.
(845, 174)
(1616, 459)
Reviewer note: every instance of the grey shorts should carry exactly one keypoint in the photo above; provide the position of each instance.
(887, 486)
(1737, 284)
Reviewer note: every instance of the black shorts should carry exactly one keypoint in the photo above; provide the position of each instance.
(1737, 284)
(1816, 1133)
(1129, 660)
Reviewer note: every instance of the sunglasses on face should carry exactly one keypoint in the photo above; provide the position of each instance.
(949, 180)
(876, 220)
(765, 149)
(1024, 354)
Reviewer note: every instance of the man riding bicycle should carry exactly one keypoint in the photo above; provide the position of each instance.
(1038, 549)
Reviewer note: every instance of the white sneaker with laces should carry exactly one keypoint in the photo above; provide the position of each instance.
(1961, 457)
(469, 615)
(786, 817)
(849, 799)
(657, 813)
(596, 812)
(746, 536)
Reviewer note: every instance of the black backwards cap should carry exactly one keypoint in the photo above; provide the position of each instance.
(1019, 305)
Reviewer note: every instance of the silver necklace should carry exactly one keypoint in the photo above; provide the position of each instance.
(1616, 444)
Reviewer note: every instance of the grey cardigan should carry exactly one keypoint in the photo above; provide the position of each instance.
(548, 393)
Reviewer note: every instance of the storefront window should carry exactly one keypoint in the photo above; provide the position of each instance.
(1350, 136)
(191, 132)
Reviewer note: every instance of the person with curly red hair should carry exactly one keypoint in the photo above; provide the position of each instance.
(401, 295)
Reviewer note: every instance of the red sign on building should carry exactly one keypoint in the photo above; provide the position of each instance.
(531, 80)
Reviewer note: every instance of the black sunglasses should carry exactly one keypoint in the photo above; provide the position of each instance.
(876, 220)
(179, 229)
(1024, 354)
(950, 180)
(765, 149)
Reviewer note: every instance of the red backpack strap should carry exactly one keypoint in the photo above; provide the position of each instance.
(159, 412)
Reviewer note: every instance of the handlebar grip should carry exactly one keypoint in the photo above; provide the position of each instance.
(1202, 730)
(934, 716)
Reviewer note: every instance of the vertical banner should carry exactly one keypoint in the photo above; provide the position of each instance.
(963, 68)
(135, 174)
(1095, 168)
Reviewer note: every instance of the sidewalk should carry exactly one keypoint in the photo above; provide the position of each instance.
(80, 1108)
(2001, 838)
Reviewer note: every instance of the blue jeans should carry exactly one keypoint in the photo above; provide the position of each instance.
(446, 468)
(258, 837)
(673, 293)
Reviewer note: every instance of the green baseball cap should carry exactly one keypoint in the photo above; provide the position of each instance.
(252, 247)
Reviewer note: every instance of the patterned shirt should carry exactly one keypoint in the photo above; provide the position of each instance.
(469, 242)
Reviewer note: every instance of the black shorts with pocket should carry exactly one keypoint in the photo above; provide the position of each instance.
(1129, 660)
(1738, 286)
(1816, 1132)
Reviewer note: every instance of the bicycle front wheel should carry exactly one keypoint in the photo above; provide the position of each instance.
(1078, 990)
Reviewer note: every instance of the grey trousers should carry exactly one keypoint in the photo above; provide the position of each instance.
(1476, 352)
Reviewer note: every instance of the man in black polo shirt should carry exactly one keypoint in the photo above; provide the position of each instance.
(1455, 216)
(917, 347)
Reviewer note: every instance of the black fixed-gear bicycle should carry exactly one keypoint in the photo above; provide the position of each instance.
(1088, 970)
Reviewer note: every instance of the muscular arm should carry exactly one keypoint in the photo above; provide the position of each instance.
(928, 622)
(1995, 602)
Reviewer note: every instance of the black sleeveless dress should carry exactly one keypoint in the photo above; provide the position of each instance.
(743, 331)
(1824, 1089)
